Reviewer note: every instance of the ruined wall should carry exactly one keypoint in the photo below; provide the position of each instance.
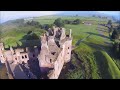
(1, 53)
(58, 65)
(68, 48)
(63, 57)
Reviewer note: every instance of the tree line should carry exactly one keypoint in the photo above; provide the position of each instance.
(115, 37)
(58, 22)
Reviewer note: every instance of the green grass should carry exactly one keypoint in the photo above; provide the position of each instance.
(112, 68)
(13, 36)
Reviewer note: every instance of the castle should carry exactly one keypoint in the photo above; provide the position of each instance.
(45, 61)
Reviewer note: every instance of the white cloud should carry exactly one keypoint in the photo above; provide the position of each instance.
(10, 15)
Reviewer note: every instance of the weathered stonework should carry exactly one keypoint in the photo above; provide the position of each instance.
(54, 53)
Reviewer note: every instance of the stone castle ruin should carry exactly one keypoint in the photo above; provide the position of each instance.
(39, 62)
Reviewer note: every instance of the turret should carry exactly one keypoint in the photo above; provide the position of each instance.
(70, 33)
(62, 34)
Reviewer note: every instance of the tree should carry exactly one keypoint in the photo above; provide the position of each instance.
(109, 22)
(110, 27)
(118, 28)
(31, 36)
(59, 22)
(115, 34)
(77, 21)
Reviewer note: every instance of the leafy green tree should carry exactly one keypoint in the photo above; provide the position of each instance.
(59, 22)
(110, 27)
(115, 34)
(109, 22)
(77, 21)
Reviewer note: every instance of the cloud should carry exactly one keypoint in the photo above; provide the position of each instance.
(10, 15)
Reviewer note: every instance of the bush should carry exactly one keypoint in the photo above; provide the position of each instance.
(77, 21)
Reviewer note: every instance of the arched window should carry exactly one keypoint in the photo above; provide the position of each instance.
(68, 53)
(68, 47)
(22, 57)
(15, 58)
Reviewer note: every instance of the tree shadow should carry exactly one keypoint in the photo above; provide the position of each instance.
(30, 40)
(97, 35)
(99, 46)
(103, 30)
(34, 68)
(81, 40)
(18, 73)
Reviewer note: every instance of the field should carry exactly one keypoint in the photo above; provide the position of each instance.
(90, 57)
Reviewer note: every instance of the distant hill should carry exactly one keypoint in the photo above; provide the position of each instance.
(81, 13)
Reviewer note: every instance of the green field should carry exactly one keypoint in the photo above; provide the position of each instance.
(92, 53)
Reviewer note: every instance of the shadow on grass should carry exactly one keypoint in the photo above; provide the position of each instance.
(98, 46)
(30, 40)
(97, 35)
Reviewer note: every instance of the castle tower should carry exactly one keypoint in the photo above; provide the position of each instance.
(44, 41)
(2, 58)
(42, 57)
(1, 47)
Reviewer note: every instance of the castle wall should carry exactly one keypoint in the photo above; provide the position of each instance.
(58, 65)
(68, 48)
(1, 53)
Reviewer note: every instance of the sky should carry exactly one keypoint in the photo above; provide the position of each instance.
(11, 15)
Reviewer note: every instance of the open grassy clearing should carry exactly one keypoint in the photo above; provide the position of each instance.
(13, 36)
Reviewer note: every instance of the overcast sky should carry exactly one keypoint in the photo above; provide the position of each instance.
(10, 15)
